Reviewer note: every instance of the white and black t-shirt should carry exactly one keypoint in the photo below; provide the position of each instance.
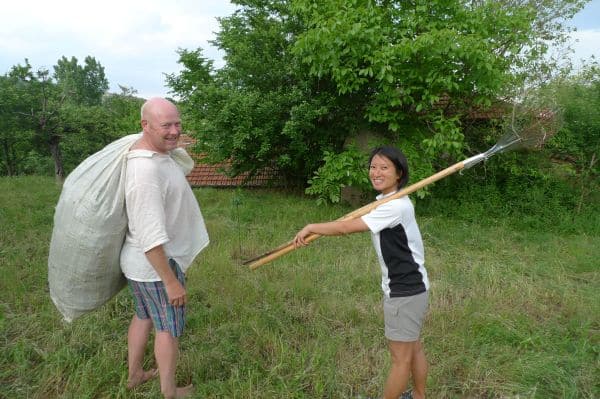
(399, 247)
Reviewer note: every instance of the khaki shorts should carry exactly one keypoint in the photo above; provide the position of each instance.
(403, 317)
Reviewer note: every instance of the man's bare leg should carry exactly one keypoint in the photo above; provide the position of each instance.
(166, 351)
(137, 339)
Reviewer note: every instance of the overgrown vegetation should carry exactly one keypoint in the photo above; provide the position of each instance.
(514, 305)
(303, 77)
(568, 158)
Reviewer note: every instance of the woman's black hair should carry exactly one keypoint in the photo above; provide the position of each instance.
(397, 158)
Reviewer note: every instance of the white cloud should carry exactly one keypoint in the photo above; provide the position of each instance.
(135, 40)
(586, 44)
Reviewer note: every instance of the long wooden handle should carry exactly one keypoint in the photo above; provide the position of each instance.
(258, 261)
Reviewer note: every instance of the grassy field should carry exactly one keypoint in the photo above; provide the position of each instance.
(514, 314)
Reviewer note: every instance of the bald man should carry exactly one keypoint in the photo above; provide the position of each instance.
(163, 238)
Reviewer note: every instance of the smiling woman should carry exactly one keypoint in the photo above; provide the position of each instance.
(387, 172)
(399, 247)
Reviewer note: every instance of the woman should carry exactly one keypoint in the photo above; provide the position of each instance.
(399, 247)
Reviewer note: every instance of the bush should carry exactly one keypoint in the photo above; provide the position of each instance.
(523, 190)
(36, 164)
(348, 168)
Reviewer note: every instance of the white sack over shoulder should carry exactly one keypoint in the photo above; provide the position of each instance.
(90, 223)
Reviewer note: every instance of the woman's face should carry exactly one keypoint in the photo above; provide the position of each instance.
(383, 174)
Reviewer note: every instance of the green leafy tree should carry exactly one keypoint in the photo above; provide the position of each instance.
(86, 129)
(42, 101)
(424, 67)
(261, 109)
(81, 84)
(14, 134)
(55, 122)
(47, 107)
(124, 110)
(304, 76)
(83, 131)
(404, 57)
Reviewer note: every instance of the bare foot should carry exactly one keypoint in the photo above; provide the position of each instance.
(142, 377)
(184, 392)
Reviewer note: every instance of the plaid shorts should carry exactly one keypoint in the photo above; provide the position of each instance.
(151, 301)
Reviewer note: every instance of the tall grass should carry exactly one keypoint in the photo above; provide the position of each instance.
(514, 313)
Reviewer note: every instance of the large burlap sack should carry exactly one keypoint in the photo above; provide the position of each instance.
(90, 223)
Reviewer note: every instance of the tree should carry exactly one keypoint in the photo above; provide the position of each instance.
(40, 101)
(261, 109)
(60, 120)
(14, 134)
(85, 129)
(124, 110)
(45, 105)
(79, 84)
(304, 76)
(406, 56)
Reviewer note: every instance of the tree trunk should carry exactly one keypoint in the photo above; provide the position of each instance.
(7, 160)
(59, 172)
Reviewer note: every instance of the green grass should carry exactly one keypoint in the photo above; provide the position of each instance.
(514, 313)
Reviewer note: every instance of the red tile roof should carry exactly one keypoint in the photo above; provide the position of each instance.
(214, 175)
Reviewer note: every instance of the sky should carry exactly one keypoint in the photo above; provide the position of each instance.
(136, 41)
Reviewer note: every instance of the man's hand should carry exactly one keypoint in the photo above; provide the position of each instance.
(176, 293)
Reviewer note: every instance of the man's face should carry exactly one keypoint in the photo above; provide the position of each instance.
(163, 127)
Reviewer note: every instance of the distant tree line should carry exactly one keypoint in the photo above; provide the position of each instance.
(49, 122)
